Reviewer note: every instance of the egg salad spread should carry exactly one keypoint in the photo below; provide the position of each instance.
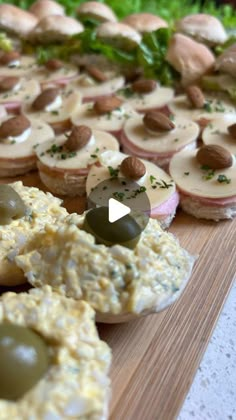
(40, 208)
(75, 384)
(114, 280)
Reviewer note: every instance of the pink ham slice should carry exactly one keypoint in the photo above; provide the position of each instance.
(13, 106)
(61, 81)
(221, 202)
(167, 208)
(144, 153)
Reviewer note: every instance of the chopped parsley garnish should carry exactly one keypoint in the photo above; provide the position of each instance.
(205, 167)
(186, 173)
(54, 149)
(13, 142)
(208, 106)
(119, 195)
(219, 107)
(177, 139)
(152, 178)
(63, 154)
(223, 179)
(171, 117)
(127, 92)
(35, 146)
(209, 173)
(163, 184)
(55, 112)
(93, 156)
(113, 172)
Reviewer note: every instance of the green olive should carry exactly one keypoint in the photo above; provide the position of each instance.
(124, 231)
(11, 205)
(24, 359)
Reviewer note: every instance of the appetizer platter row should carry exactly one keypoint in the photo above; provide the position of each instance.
(71, 121)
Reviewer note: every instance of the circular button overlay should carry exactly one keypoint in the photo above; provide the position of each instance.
(121, 197)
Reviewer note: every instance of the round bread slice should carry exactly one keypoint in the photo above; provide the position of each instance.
(41, 208)
(58, 118)
(226, 62)
(119, 34)
(63, 171)
(43, 8)
(121, 284)
(216, 132)
(16, 21)
(159, 187)
(158, 146)
(203, 27)
(96, 10)
(190, 58)
(55, 28)
(24, 92)
(76, 383)
(204, 193)
(145, 22)
(17, 153)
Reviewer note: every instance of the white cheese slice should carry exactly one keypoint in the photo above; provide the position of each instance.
(219, 104)
(159, 97)
(82, 158)
(71, 102)
(26, 65)
(112, 121)
(40, 132)
(189, 177)
(155, 193)
(97, 89)
(216, 133)
(185, 132)
(44, 76)
(27, 91)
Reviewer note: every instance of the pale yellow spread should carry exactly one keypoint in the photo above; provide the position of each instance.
(42, 208)
(159, 185)
(216, 132)
(82, 158)
(76, 385)
(184, 133)
(188, 175)
(112, 279)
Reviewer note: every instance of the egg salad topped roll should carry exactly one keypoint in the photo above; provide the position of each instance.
(135, 276)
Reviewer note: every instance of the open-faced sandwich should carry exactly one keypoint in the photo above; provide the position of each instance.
(121, 271)
(24, 211)
(206, 179)
(45, 373)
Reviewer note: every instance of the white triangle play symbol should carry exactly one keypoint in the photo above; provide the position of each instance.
(116, 210)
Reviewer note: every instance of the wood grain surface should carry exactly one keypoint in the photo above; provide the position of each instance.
(155, 358)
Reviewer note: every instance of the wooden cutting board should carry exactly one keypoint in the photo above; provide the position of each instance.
(155, 358)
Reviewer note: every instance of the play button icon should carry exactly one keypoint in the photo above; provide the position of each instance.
(116, 210)
(122, 197)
